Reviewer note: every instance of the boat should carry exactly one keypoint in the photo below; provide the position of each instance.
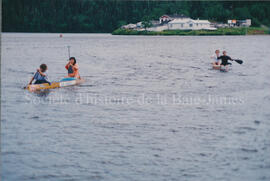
(69, 81)
(222, 69)
(216, 67)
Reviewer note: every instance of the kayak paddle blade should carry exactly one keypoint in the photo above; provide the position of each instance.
(239, 61)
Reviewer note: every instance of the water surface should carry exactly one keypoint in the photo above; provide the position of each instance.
(151, 109)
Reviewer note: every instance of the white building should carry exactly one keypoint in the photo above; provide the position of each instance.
(247, 22)
(239, 23)
(173, 22)
(158, 28)
(166, 18)
(189, 24)
(139, 24)
(129, 26)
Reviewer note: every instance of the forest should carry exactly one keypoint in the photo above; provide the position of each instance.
(102, 16)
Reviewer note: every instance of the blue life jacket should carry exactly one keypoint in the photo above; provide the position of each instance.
(38, 76)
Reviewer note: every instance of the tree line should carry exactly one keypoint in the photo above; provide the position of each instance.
(99, 16)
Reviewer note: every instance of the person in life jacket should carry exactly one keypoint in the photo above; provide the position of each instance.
(73, 68)
(40, 76)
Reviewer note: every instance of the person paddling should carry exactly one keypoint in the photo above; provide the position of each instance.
(40, 76)
(73, 68)
(224, 61)
(216, 61)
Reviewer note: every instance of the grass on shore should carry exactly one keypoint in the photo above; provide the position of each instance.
(220, 31)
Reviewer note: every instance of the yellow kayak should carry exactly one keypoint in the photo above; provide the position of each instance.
(63, 83)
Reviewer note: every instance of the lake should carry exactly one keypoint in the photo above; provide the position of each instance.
(151, 108)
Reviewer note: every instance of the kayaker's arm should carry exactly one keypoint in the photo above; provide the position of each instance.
(67, 65)
(33, 78)
(75, 68)
(230, 58)
(31, 81)
(41, 73)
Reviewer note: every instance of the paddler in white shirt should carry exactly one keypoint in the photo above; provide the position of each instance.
(216, 61)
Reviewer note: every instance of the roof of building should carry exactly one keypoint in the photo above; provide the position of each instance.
(175, 16)
(201, 21)
(178, 16)
(188, 20)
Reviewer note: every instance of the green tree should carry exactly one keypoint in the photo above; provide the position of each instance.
(146, 22)
(107, 15)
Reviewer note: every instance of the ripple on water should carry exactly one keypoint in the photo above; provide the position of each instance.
(257, 122)
(249, 150)
(35, 117)
(111, 141)
(247, 128)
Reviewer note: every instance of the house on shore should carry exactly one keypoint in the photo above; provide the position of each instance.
(167, 18)
(173, 22)
(239, 23)
(189, 24)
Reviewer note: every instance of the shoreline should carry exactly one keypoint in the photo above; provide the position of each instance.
(218, 32)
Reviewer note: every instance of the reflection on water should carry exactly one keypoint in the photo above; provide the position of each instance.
(42, 93)
(151, 109)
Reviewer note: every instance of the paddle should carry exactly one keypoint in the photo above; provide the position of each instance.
(69, 57)
(68, 51)
(238, 61)
(30, 81)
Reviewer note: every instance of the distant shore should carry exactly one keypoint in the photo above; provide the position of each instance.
(220, 31)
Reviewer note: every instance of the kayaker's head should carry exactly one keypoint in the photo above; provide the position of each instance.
(217, 52)
(224, 53)
(43, 67)
(72, 60)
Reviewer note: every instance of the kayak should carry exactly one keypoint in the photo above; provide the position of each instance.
(69, 81)
(218, 67)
